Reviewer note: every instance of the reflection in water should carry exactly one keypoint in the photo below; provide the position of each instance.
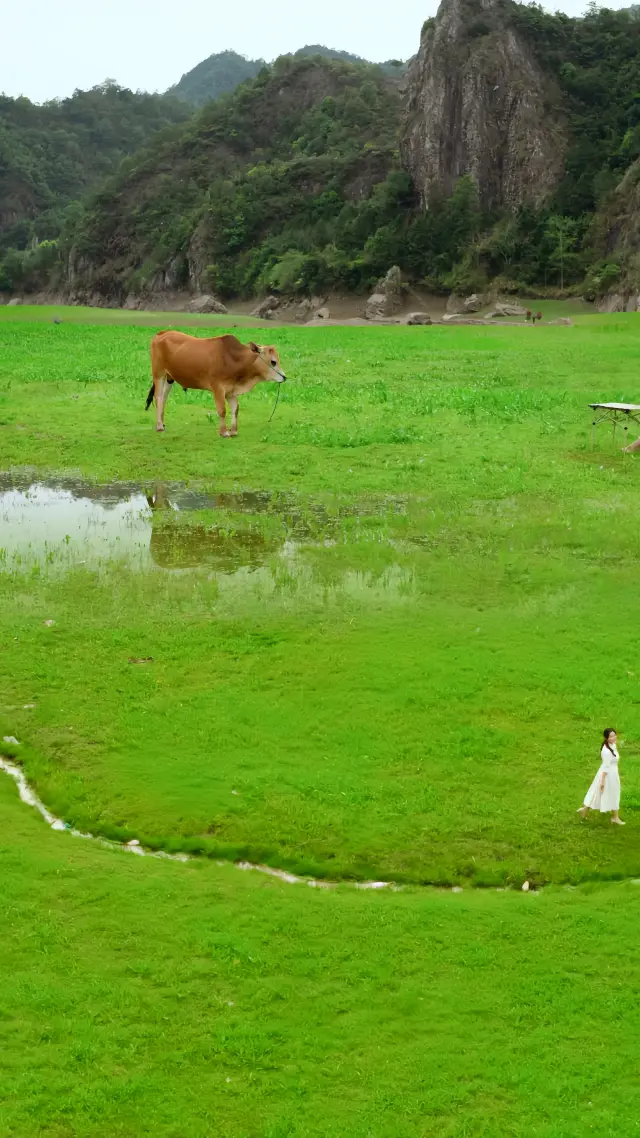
(187, 546)
(176, 544)
(277, 543)
(43, 524)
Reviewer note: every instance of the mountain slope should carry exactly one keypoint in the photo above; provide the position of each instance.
(217, 75)
(50, 155)
(518, 127)
(223, 72)
(256, 182)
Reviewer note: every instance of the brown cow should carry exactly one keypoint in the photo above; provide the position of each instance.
(221, 365)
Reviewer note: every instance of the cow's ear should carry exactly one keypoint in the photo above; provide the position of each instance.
(254, 347)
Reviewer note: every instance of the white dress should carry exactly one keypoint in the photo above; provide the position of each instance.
(609, 799)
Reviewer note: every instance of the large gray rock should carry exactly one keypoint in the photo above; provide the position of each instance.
(207, 303)
(311, 308)
(478, 103)
(464, 304)
(388, 297)
(14, 301)
(455, 304)
(506, 310)
(375, 306)
(267, 307)
(418, 318)
(473, 303)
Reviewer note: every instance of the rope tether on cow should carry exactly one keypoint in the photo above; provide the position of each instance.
(275, 404)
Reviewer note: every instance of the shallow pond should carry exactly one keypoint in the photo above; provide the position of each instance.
(266, 538)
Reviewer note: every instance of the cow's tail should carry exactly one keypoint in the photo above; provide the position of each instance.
(150, 397)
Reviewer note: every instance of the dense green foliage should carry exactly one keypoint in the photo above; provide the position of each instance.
(279, 185)
(217, 75)
(395, 68)
(595, 63)
(50, 155)
(221, 73)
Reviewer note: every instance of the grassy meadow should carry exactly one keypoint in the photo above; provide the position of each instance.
(382, 644)
(172, 1000)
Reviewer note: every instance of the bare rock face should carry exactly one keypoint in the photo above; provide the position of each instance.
(478, 103)
(207, 303)
(388, 296)
(613, 302)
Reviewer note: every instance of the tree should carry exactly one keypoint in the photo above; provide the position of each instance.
(562, 234)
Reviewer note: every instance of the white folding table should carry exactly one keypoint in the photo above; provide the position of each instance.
(615, 413)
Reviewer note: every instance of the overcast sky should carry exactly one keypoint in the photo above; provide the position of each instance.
(51, 47)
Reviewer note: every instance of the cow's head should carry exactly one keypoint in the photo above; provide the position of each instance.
(268, 363)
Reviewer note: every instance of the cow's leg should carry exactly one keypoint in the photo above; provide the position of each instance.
(232, 400)
(168, 384)
(162, 388)
(221, 408)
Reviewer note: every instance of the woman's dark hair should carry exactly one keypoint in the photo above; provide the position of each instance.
(607, 732)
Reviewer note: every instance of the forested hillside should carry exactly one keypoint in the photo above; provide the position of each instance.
(298, 181)
(279, 185)
(50, 155)
(217, 75)
(221, 73)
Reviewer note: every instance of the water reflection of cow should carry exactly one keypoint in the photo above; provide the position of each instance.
(176, 544)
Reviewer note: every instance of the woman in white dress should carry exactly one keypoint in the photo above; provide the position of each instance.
(604, 792)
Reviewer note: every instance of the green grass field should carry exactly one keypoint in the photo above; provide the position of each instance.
(382, 642)
(170, 1000)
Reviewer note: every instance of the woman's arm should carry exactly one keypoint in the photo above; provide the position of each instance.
(605, 756)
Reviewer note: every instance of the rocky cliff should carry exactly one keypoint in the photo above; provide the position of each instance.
(616, 235)
(478, 103)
